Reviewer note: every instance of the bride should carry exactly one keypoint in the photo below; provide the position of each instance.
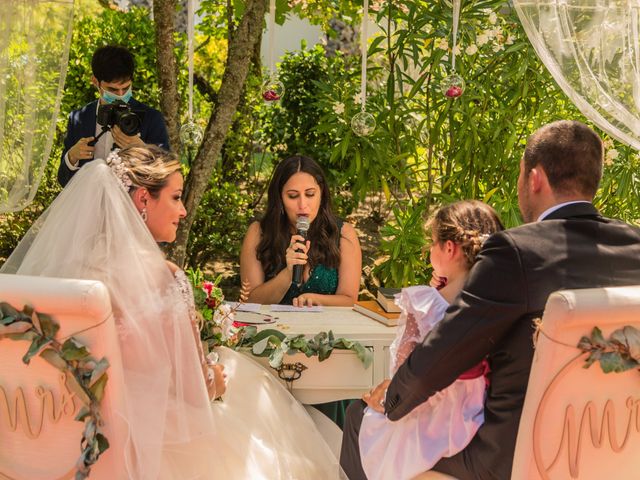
(105, 226)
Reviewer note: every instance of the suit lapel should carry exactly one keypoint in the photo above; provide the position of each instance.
(88, 120)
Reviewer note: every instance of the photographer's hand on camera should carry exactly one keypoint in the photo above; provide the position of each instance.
(81, 151)
(124, 141)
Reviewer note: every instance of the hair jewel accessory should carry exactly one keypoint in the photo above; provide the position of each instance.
(119, 170)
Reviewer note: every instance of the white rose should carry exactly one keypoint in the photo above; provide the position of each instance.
(471, 50)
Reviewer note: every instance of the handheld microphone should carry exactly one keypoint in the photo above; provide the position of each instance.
(302, 227)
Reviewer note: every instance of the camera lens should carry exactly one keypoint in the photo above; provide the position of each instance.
(129, 123)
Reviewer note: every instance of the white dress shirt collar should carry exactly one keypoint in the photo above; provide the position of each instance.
(549, 211)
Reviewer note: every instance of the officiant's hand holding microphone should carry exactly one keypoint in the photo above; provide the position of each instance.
(297, 258)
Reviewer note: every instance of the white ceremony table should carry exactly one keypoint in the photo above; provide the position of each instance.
(342, 375)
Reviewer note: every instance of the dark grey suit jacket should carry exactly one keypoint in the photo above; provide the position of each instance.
(516, 271)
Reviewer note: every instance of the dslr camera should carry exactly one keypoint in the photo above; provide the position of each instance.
(120, 114)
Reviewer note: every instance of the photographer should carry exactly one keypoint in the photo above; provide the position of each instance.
(115, 120)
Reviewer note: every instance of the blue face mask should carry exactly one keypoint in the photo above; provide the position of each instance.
(110, 97)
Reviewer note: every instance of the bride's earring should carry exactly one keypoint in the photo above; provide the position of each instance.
(143, 214)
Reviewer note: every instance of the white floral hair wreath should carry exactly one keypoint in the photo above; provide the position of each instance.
(119, 170)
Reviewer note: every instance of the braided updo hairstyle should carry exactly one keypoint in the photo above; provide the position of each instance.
(149, 167)
(467, 223)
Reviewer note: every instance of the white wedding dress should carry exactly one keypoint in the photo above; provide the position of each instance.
(440, 427)
(93, 231)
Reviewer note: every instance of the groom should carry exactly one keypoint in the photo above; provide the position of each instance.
(566, 244)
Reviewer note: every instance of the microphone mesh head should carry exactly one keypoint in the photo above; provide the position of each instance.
(302, 223)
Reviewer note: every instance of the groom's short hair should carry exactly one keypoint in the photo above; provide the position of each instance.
(571, 155)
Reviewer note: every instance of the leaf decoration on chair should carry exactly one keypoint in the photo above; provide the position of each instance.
(619, 353)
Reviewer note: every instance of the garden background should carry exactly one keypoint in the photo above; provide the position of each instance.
(427, 149)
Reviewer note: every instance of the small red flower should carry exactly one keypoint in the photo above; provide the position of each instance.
(454, 91)
(212, 303)
(207, 287)
(270, 95)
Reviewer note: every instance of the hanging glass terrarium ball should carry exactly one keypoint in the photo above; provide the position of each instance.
(272, 89)
(363, 124)
(452, 86)
(191, 134)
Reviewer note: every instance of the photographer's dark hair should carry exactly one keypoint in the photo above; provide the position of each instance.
(571, 155)
(276, 228)
(112, 63)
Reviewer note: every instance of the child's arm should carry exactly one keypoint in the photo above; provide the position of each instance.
(410, 337)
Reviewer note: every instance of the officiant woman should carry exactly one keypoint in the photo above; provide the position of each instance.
(331, 255)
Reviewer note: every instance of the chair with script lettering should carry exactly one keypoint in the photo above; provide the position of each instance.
(39, 438)
(580, 423)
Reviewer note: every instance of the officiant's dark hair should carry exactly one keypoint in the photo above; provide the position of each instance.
(570, 153)
(277, 229)
(467, 223)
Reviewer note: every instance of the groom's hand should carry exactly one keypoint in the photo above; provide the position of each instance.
(375, 398)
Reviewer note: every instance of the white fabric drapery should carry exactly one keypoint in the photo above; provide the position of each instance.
(591, 47)
(34, 48)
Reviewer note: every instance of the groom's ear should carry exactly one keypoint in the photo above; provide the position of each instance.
(537, 179)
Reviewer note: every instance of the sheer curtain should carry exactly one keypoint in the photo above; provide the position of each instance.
(591, 48)
(34, 48)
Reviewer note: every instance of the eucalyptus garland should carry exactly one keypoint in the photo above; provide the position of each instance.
(85, 376)
(619, 353)
(275, 345)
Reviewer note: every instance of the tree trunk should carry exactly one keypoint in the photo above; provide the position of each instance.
(164, 12)
(240, 50)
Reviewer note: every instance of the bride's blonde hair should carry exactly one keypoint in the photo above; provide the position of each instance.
(149, 167)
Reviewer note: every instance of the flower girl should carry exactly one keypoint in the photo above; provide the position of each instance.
(443, 425)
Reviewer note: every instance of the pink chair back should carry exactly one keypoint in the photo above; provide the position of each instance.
(580, 423)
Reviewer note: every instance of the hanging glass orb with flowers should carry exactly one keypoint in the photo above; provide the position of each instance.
(452, 86)
(272, 89)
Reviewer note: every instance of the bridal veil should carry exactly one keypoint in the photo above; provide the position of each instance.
(93, 231)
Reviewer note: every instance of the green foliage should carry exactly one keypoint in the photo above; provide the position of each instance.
(220, 225)
(290, 127)
(85, 376)
(621, 352)
(402, 244)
